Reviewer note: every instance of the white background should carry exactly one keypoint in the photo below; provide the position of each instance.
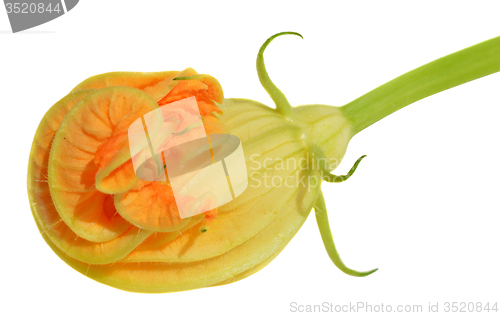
(423, 206)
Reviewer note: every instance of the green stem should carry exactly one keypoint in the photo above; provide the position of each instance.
(282, 104)
(326, 235)
(452, 70)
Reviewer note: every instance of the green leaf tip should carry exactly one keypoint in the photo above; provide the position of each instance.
(328, 177)
(326, 236)
(187, 129)
(193, 77)
(282, 104)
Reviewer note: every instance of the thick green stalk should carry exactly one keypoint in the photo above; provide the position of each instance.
(452, 70)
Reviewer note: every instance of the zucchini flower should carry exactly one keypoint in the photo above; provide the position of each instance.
(97, 207)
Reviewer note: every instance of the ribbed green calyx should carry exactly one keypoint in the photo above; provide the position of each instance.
(325, 131)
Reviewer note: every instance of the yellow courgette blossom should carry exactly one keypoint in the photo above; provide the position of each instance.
(288, 150)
